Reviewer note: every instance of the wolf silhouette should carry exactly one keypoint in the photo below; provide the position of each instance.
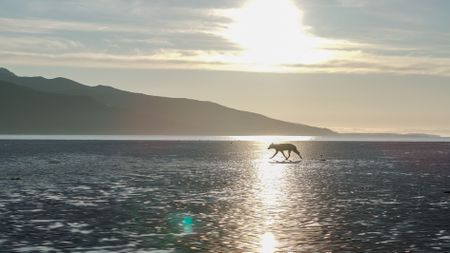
(282, 147)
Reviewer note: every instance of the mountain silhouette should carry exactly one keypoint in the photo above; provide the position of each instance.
(37, 105)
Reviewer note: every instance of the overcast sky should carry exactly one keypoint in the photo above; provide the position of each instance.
(378, 66)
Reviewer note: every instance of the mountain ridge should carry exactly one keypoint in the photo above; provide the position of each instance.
(137, 113)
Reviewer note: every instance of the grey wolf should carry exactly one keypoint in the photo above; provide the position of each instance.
(284, 147)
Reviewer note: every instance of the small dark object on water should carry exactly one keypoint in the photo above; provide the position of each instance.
(322, 159)
(15, 178)
(447, 192)
(53, 162)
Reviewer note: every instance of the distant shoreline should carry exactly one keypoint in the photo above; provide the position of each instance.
(262, 138)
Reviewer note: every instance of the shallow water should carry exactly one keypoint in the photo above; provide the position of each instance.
(223, 196)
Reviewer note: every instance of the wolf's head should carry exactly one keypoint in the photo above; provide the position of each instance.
(271, 146)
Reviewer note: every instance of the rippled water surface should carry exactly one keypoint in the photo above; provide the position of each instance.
(222, 196)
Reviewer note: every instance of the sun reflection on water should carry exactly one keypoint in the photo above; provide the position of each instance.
(268, 243)
(270, 180)
(269, 190)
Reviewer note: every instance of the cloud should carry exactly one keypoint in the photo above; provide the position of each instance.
(165, 59)
(198, 59)
(192, 34)
(108, 36)
(353, 3)
(37, 26)
(37, 44)
(360, 62)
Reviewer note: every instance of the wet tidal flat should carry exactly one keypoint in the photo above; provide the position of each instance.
(223, 196)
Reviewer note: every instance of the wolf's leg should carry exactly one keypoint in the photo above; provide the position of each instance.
(298, 153)
(289, 154)
(274, 154)
(282, 152)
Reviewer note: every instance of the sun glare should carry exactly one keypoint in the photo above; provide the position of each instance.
(268, 243)
(271, 33)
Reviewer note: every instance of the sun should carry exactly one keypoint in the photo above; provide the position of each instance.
(271, 33)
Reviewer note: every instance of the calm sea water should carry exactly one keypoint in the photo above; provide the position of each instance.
(223, 196)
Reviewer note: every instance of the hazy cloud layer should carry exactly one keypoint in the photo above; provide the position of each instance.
(395, 36)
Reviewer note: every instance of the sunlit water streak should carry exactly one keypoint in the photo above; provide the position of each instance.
(269, 189)
(223, 196)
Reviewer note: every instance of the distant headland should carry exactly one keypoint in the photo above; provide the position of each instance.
(37, 105)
